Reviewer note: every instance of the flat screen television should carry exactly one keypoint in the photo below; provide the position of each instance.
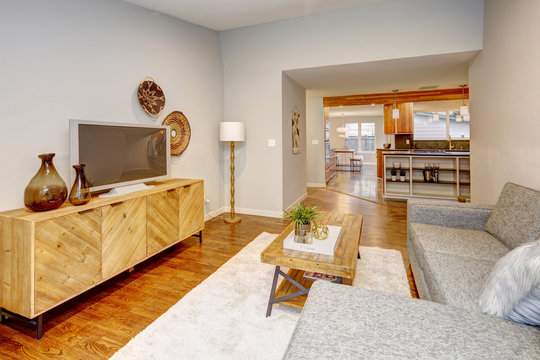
(119, 154)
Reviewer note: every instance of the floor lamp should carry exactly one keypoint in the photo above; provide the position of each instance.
(232, 131)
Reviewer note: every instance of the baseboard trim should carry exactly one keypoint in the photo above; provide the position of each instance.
(212, 214)
(258, 212)
(299, 200)
(316, 185)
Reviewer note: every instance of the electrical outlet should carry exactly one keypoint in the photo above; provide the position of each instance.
(314, 142)
(271, 142)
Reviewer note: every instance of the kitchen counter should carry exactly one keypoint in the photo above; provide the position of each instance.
(404, 174)
(427, 152)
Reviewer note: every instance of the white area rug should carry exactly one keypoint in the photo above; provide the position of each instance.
(224, 316)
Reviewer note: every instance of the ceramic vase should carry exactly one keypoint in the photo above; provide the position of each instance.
(80, 192)
(46, 190)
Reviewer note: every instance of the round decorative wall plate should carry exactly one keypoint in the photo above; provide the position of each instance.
(180, 132)
(151, 97)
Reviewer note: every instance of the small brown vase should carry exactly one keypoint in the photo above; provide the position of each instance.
(46, 190)
(80, 192)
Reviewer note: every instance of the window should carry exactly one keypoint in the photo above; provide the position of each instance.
(458, 130)
(427, 128)
(351, 136)
(367, 134)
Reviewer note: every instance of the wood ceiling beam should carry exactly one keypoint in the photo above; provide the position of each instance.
(402, 97)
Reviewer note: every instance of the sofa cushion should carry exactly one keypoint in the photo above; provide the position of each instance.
(471, 243)
(456, 280)
(516, 217)
(343, 322)
(514, 280)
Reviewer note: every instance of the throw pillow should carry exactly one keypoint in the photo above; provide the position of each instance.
(511, 287)
(515, 220)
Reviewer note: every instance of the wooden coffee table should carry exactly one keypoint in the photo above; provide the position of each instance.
(294, 288)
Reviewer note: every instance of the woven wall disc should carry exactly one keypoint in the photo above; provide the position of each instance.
(151, 97)
(180, 132)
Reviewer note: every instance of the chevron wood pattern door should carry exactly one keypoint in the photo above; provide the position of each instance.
(67, 257)
(123, 232)
(191, 209)
(162, 220)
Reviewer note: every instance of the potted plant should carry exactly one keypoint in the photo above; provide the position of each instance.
(302, 216)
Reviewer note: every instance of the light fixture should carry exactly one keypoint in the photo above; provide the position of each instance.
(463, 109)
(395, 111)
(436, 117)
(232, 131)
(458, 118)
(467, 117)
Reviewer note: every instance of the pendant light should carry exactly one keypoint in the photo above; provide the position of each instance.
(436, 114)
(458, 118)
(463, 109)
(395, 111)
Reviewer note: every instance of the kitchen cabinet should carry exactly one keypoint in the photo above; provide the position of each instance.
(403, 125)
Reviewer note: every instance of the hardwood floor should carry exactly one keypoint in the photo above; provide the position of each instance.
(99, 322)
(363, 184)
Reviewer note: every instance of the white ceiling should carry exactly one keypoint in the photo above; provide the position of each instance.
(230, 14)
(408, 74)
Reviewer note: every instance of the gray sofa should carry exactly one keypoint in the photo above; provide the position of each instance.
(451, 257)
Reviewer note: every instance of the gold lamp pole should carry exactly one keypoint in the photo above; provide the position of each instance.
(232, 131)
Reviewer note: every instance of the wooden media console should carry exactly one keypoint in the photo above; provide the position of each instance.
(50, 257)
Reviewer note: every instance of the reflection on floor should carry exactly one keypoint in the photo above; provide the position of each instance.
(363, 184)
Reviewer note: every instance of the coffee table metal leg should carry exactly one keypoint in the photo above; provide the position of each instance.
(272, 292)
(302, 290)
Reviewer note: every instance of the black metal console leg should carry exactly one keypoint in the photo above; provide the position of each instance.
(199, 235)
(37, 322)
(39, 327)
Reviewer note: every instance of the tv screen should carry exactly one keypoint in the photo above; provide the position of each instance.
(120, 154)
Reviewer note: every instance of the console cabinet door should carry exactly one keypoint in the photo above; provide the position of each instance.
(191, 209)
(162, 220)
(67, 257)
(123, 234)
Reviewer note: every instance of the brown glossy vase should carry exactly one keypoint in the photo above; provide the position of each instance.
(80, 192)
(46, 190)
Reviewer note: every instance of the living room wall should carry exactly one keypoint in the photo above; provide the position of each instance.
(84, 59)
(315, 152)
(255, 56)
(294, 165)
(504, 77)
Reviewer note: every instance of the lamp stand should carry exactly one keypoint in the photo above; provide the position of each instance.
(232, 219)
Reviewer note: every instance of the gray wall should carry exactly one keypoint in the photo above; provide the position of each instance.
(255, 56)
(294, 165)
(80, 59)
(315, 152)
(505, 125)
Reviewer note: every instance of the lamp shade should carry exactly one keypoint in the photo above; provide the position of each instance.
(232, 131)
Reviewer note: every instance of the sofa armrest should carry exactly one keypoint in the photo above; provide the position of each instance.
(449, 214)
